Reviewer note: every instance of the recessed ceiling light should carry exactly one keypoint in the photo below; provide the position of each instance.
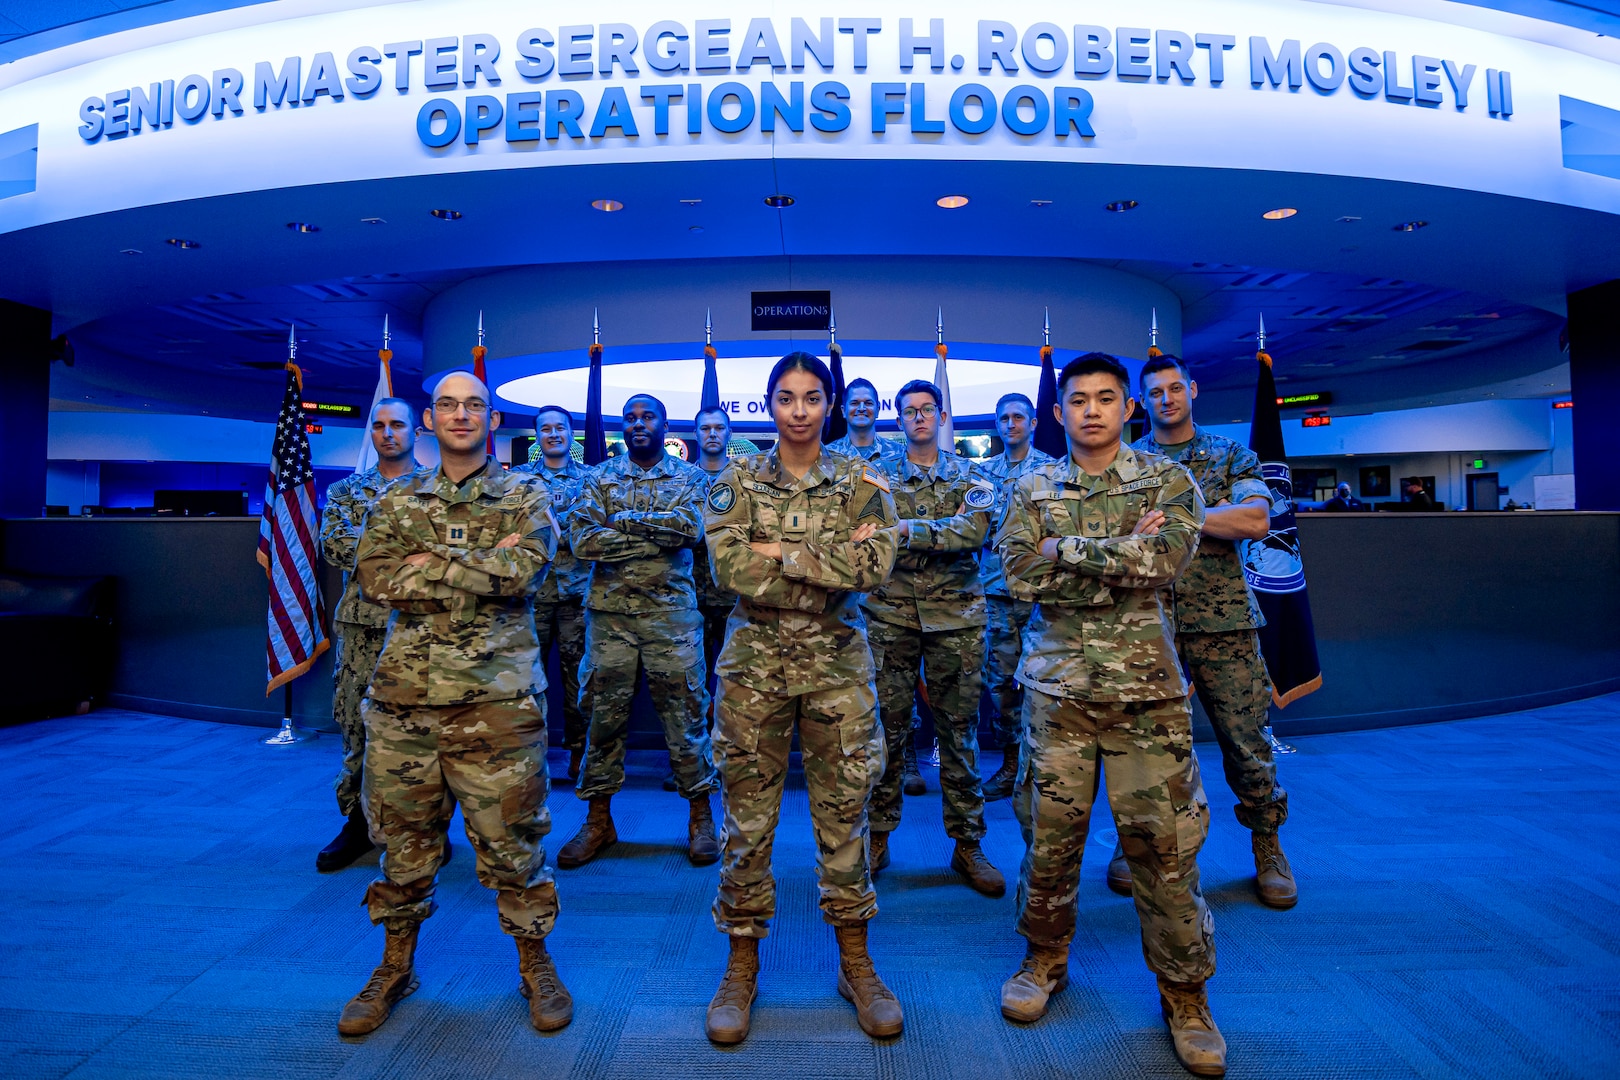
(779, 201)
(1349, 219)
(691, 202)
(303, 227)
(446, 215)
(372, 221)
(951, 202)
(607, 206)
(694, 228)
(183, 245)
(1411, 226)
(1121, 206)
(1279, 213)
(1040, 202)
(132, 251)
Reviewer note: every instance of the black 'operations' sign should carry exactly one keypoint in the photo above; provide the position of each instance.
(794, 310)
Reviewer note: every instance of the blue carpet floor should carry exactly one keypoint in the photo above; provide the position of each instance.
(1459, 917)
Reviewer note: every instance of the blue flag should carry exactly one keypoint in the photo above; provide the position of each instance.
(595, 435)
(1274, 567)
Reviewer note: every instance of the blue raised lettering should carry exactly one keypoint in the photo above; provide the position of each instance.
(1030, 48)
(1071, 111)
(143, 106)
(717, 107)
(820, 46)
(713, 44)
(1426, 80)
(1460, 81)
(192, 110)
(482, 50)
(772, 105)
(1172, 55)
(613, 111)
(679, 56)
(401, 52)
(1264, 67)
(1217, 44)
(574, 49)
(1135, 52)
(912, 43)
(860, 29)
(920, 124)
(1364, 77)
(563, 110)
(619, 42)
(1331, 79)
(523, 116)
(439, 63)
(1092, 56)
(365, 74)
(534, 46)
(227, 92)
(884, 105)
(661, 95)
(431, 113)
(997, 42)
(759, 46)
(831, 114)
(986, 101)
(1393, 90)
(484, 113)
(283, 84)
(91, 118)
(1012, 106)
(324, 78)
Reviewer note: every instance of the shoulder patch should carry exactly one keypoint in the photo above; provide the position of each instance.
(874, 478)
(721, 497)
(981, 497)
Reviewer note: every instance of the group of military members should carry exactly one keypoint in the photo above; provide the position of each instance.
(821, 589)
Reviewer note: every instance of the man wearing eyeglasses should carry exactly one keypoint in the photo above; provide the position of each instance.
(636, 521)
(457, 703)
(559, 615)
(928, 621)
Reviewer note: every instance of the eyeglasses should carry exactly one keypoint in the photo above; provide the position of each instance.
(927, 412)
(448, 405)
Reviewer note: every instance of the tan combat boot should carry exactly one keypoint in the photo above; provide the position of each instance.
(1119, 871)
(728, 1017)
(876, 1008)
(1274, 878)
(1198, 1042)
(701, 846)
(878, 851)
(1044, 972)
(594, 837)
(969, 860)
(551, 1006)
(394, 979)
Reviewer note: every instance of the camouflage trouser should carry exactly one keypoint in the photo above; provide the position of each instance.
(358, 648)
(564, 623)
(948, 661)
(668, 645)
(1159, 809)
(1004, 645)
(714, 634)
(843, 755)
(492, 758)
(1234, 689)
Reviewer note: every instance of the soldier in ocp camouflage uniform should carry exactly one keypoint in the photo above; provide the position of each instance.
(927, 622)
(1091, 541)
(636, 520)
(1016, 423)
(1217, 616)
(457, 703)
(559, 614)
(798, 533)
(358, 624)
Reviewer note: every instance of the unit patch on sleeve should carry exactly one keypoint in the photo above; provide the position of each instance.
(721, 498)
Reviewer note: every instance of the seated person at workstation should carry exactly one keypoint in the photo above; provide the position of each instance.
(1343, 502)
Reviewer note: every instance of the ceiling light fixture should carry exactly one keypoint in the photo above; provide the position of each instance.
(1121, 206)
(132, 251)
(691, 202)
(183, 245)
(303, 227)
(607, 206)
(446, 215)
(779, 201)
(694, 228)
(951, 202)
(1040, 202)
(1280, 213)
(372, 221)
(1411, 226)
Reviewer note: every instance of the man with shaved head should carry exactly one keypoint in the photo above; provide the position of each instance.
(457, 703)
(358, 624)
(636, 521)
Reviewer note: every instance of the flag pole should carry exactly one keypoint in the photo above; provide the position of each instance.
(288, 735)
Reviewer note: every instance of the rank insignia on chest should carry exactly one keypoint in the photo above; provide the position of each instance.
(559, 497)
(793, 521)
(455, 535)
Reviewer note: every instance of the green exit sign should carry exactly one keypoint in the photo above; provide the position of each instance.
(1477, 463)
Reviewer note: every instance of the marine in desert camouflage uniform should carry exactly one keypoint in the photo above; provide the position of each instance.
(358, 624)
(927, 622)
(559, 614)
(1218, 618)
(1092, 541)
(1004, 643)
(636, 521)
(457, 703)
(798, 533)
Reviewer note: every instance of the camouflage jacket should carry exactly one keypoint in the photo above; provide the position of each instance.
(569, 578)
(344, 519)
(462, 629)
(709, 594)
(1213, 594)
(637, 527)
(797, 626)
(883, 452)
(999, 471)
(1100, 630)
(935, 584)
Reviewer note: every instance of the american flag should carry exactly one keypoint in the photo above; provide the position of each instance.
(287, 533)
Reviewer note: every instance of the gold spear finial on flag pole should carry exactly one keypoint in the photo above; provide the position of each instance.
(832, 326)
(939, 327)
(708, 327)
(292, 343)
(1153, 335)
(1046, 330)
(385, 332)
(1263, 356)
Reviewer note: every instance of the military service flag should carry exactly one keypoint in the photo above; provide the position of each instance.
(287, 531)
(1049, 438)
(1273, 566)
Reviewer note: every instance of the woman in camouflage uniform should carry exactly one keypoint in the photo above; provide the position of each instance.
(797, 534)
